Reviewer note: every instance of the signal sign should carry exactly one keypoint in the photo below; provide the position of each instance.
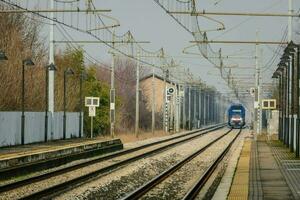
(252, 91)
(269, 104)
(170, 90)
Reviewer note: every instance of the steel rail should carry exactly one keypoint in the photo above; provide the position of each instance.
(194, 191)
(40, 165)
(65, 185)
(136, 194)
(41, 177)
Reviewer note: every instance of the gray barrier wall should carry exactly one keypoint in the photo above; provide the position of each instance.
(10, 127)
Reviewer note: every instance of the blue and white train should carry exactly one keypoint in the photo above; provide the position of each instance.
(236, 116)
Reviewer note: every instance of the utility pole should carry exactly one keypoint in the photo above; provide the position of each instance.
(184, 108)
(257, 89)
(51, 72)
(195, 108)
(199, 108)
(153, 100)
(137, 96)
(190, 107)
(166, 113)
(112, 92)
(112, 98)
(204, 107)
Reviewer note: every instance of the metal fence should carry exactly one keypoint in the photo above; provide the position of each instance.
(10, 127)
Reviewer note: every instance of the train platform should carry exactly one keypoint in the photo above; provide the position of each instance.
(266, 170)
(21, 155)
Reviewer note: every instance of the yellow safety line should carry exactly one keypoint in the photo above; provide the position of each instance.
(239, 187)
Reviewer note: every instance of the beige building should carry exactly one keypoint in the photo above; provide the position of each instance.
(149, 86)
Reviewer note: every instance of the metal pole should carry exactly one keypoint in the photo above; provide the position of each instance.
(92, 127)
(285, 104)
(257, 117)
(65, 104)
(292, 102)
(23, 106)
(112, 91)
(165, 117)
(137, 97)
(260, 91)
(177, 105)
(153, 101)
(204, 107)
(190, 107)
(205, 12)
(46, 104)
(112, 98)
(288, 103)
(280, 108)
(298, 101)
(80, 104)
(51, 73)
(184, 109)
(195, 109)
(199, 108)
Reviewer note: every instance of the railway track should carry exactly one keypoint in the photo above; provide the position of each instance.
(193, 192)
(57, 188)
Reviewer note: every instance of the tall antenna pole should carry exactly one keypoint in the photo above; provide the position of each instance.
(51, 72)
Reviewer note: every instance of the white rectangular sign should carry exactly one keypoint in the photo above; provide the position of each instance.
(256, 104)
(92, 101)
(92, 111)
(112, 106)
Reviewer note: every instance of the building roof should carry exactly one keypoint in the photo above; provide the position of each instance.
(156, 76)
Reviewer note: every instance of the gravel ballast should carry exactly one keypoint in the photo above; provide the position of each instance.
(118, 183)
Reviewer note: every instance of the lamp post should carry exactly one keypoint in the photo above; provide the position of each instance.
(294, 50)
(83, 76)
(26, 62)
(48, 68)
(3, 56)
(283, 64)
(67, 72)
(278, 74)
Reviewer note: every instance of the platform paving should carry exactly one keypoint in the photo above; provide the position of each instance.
(266, 178)
(19, 155)
(289, 167)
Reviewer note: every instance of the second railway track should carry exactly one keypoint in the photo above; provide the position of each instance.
(198, 185)
(71, 181)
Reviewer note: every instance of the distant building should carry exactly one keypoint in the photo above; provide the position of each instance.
(147, 89)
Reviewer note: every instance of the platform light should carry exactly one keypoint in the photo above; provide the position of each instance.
(3, 56)
(25, 62)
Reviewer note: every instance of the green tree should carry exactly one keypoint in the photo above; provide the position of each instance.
(95, 88)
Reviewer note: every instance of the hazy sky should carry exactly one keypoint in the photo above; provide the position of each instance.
(147, 21)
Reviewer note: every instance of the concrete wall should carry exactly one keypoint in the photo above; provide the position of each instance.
(272, 122)
(10, 127)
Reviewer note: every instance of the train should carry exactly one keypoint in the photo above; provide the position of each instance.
(236, 116)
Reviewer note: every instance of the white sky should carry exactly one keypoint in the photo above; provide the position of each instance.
(147, 21)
